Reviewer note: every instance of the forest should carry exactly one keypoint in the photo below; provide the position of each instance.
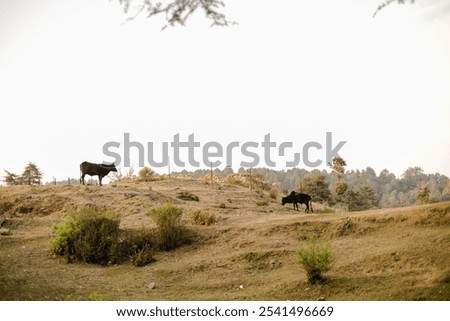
(387, 190)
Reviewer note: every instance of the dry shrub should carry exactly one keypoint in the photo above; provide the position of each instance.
(200, 217)
(187, 196)
(262, 202)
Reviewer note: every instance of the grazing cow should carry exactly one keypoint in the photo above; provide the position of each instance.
(101, 170)
(296, 198)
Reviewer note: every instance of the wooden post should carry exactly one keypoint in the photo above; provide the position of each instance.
(168, 164)
(211, 176)
(251, 186)
(68, 180)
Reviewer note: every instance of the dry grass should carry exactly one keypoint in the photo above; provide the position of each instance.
(250, 253)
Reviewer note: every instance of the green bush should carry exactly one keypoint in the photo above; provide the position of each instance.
(170, 232)
(315, 259)
(139, 246)
(200, 217)
(88, 236)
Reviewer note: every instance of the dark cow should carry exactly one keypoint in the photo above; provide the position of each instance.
(298, 198)
(101, 170)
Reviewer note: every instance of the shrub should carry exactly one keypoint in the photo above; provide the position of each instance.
(222, 205)
(88, 236)
(146, 174)
(170, 232)
(273, 193)
(315, 259)
(139, 246)
(200, 217)
(188, 196)
(262, 202)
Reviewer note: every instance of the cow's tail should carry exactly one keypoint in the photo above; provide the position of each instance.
(310, 206)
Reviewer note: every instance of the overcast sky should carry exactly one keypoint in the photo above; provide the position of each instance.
(73, 77)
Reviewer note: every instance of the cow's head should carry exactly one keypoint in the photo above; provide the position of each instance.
(111, 167)
(284, 200)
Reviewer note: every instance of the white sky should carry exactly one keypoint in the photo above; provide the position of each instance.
(73, 77)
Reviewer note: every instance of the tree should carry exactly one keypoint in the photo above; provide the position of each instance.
(177, 12)
(317, 187)
(11, 178)
(337, 165)
(31, 175)
(362, 199)
(424, 195)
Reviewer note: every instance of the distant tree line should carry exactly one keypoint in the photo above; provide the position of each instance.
(357, 189)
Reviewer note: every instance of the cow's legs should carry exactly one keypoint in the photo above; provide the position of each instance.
(82, 179)
(100, 180)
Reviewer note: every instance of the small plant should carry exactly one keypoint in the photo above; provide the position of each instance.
(222, 205)
(262, 202)
(170, 232)
(315, 259)
(188, 196)
(200, 217)
(88, 236)
(146, 174)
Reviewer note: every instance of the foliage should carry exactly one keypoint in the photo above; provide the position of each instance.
(11, 178)
(317, 187)
(200, 217)
(340, 189)
(390, 190)
(146, 174)
(188, 196)
(262, 202)
(273, 193)
(362, 199)
(31, 175)
(88, 236)
(315, 258)
(177, 11)
(170, 232)
(337, 165)
(424, 195)
(139, 246)
(388, 2)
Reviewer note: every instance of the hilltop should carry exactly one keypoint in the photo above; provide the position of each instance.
(248, 254)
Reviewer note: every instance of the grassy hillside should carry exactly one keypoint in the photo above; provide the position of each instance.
(248, 254)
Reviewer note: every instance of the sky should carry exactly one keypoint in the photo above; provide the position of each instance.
(74, 76)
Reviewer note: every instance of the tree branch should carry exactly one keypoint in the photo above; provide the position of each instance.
(177, 11)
